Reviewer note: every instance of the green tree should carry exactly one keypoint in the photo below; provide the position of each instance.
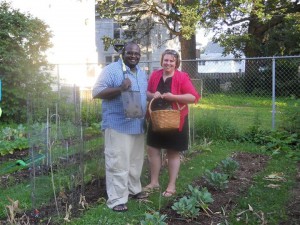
(256, 27)
(253, 27)
(23, 42)
(179, 17)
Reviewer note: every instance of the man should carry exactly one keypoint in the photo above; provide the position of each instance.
(124, 137)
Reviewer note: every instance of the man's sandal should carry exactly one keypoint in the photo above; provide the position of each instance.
(120, 208)
(168, 194)
(141, 195)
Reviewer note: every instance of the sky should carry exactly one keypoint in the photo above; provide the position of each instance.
(72, 23)
(202, 37)
(70, 29)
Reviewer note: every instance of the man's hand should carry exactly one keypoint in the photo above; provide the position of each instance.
(126, 84)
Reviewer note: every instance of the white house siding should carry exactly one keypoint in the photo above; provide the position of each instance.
(212, 61)
(151, 53)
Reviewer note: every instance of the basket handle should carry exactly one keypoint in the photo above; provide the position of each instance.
(150, 111)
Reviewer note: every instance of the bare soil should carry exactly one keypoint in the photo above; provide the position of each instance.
(224, 201)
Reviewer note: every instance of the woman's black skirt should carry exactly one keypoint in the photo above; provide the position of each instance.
(174, 140)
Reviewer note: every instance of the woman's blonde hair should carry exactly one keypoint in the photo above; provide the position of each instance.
(173, 53)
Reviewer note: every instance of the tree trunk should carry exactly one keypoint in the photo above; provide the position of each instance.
(188, 56)
(253, 49)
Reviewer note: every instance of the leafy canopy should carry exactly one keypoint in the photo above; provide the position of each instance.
(254, 27)
(179, 17)
(257, 28)
(23, 43)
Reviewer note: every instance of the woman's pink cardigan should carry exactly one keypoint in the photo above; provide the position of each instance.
(181, 84)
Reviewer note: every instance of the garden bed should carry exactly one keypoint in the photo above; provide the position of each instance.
(224, 201)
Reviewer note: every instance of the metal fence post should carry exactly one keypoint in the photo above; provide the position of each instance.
(273, 92)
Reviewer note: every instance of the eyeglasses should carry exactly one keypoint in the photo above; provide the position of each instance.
(136, 54)
(170, 51)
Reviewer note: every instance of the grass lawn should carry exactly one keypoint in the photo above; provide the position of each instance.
(243, 111)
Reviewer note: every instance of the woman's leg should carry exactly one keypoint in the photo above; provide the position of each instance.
(173, 168)
(154, 157)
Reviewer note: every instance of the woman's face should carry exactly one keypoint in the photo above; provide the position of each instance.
(169, 63)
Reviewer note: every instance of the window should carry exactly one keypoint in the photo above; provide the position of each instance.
(116, 58)
(117, 31)
(108, 59)
(202, 63)
(159, 39)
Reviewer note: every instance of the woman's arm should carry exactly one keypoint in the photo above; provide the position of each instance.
(182, 98)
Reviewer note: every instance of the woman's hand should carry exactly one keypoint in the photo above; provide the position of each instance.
(157, 94)
(169, 97)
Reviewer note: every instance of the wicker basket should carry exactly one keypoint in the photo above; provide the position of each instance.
(164, 120)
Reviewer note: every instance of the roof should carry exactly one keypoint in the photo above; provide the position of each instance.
(212, 47)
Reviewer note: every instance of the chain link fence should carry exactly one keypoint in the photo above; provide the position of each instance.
(255, 88)
(268, 81)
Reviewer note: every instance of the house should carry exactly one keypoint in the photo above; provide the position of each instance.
(217, 70)
(213, 61)
(152, 45)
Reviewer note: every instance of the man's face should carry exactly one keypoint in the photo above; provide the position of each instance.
(132, 55)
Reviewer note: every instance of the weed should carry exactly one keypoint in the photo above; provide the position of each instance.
(68, 213)
(12, 210)
(83, 203)
(291, 116)
(203, 145)
(278, 143)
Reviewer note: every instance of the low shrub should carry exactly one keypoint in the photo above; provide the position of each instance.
(277, 143)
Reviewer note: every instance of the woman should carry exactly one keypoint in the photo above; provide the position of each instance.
(169, 86)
